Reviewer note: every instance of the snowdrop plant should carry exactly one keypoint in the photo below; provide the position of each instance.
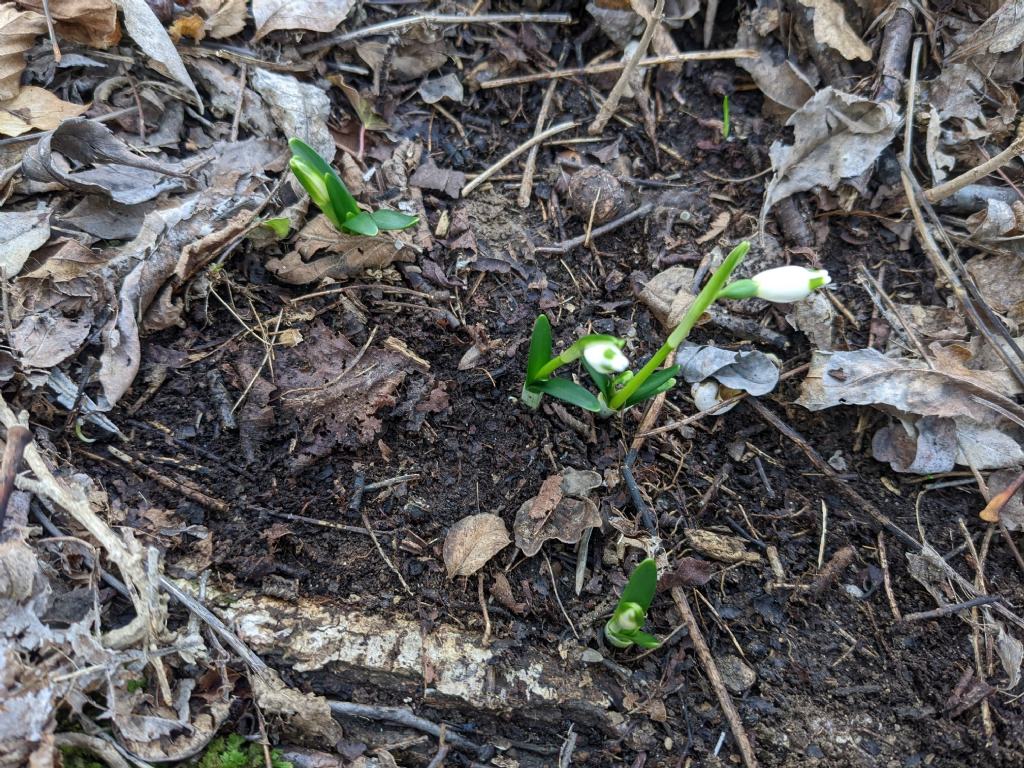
(331, 196)
(605, 362)
(624, 627)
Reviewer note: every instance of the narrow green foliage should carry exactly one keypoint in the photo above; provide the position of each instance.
(235, 752)
(280, 226)
(570, 392)
(540, 348)
(624, 627)
(725, 116)
(329, 193)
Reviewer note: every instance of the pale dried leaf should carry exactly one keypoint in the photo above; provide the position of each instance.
(752, 372)
(778, 78)
(447, 87)
(18, 32)
(1002, 32)
(309, 15)
(1012, 513)
(836, 137)
(1011, 654)
(35, 108)
(299, 109)
(21, 233)
(224, 18)
(472, 542)
(1000, 280)
(938, 161)
(832, 29)
(149, 34)
(814, 318)
(668, 295)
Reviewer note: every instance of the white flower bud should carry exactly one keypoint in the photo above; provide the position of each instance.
(605, 357)
(707, 394)
(788, 284)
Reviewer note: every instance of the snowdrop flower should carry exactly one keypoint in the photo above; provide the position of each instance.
(783, 285)
(707, 394)
(605, 357)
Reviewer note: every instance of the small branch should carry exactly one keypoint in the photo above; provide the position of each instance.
(951, 187)
(715, 678)
(883, 563)
(18, 437)
(438, 18)
(502, 162)
(946, 610)
(612, 102)
(615, 66)
(402, 716)
(526, 185)
(380, 551)
(94, 745)
(567, 245)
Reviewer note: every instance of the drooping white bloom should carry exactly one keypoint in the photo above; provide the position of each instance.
(605, 357)
(788, 284)
(707, 394)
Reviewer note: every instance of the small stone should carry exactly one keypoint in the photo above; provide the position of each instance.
(737, 676)
(596, 189)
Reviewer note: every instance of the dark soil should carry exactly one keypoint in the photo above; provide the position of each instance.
(839, 681)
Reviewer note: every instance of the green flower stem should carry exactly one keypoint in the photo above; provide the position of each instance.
(704, 300)
(553, 365)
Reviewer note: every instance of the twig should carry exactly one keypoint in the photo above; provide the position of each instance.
(883, 563)
(93, 744)
(908, 132)
(243, 74)
(568, 747)
(506, 159)
(612, 102)
(646, 515)
(992, 510)
(483, 608)
(52, 32)
(949, 608)
(380, 551)
(568, 245)
(442, 750)
(18, 437)
(615, 66)
(438, 18)
(824, 531)
(401, 716)
(941, 192)
(558, 599)
(715, 678)
(833, 569)
(530, 166)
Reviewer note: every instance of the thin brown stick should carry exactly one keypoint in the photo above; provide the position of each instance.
(530, 166)
(18, 437)
(52, 32)
(438, 18)
(567, 245)
(483, 608)
(883, 563)
(384, 557)
(951, 187)
(612, 102)
(951, 608)
(615, 66)
(558, 598)
(715, 678)
(506, 159)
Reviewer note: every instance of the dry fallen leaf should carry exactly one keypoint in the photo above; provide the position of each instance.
(473, 541)
(832, 29)
(836, 137)
(21, 233)
(299, 109)
(149, 34)
(18, 32)
(90, 22)
(560, 510)
(35, 108)
(776, 76)
(309, 15)
(344, 255)
(224, 18)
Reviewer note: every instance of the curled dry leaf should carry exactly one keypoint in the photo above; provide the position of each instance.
(560, 511)
(778, 78)
(35, 108)
(18, 32)
(119, 173)
(832, 29)
(836, 137)
(222, 18)
(814, 318)
(752, 372)
(1000, 280)
(307, 15)
(473, 541)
